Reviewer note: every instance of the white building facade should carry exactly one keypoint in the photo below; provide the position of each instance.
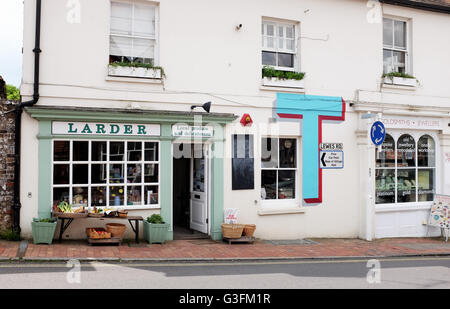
(106, 131)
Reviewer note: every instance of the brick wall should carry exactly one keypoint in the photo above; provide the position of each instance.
(6, 162)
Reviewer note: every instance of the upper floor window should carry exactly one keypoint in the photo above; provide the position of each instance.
(395, 46)
(133, 33)
(279, 46)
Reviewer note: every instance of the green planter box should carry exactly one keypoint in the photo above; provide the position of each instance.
(43, 231)
(155, 233)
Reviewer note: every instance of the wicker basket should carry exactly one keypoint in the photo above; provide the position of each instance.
(249, 229)
(116, 229)
(92, 233)
(99, 215)
(232, 231)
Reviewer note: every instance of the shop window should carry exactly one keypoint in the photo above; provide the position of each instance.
(278, 168)
(106, 173)
(405, 170)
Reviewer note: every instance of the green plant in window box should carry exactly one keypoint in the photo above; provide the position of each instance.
(392, 75)
(150, 66)
(270, 72)
(155, 229)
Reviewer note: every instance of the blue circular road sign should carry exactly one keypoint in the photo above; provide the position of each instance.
(377, 133)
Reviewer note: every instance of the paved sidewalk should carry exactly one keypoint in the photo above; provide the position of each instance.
(212, 250)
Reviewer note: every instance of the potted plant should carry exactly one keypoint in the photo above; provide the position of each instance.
(135, 69)
(278, 78)
(43, 230)
(155, 229)
(401, 79)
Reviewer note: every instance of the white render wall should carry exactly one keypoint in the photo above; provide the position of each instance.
(206, 59)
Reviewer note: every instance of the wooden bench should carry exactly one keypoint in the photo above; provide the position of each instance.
(64, 225)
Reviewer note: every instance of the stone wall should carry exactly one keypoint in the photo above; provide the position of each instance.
(6, 163)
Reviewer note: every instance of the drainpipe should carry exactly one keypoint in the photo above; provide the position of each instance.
(18, 121)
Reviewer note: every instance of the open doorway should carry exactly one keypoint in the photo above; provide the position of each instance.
(190, 192)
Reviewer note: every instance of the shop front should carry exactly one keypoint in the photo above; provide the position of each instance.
(408, 169)
(123, 159)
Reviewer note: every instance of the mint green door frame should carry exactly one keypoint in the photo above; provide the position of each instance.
(45, 116)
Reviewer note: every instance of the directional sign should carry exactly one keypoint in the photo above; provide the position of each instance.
(377, 133)
(331, 159)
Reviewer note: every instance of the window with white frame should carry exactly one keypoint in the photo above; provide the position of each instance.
(406, 169)
(395, 46)
(106, 173)
(279, 48)
(278, 168)
(133, 33)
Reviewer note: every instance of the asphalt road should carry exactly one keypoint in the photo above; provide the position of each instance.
(410, 273)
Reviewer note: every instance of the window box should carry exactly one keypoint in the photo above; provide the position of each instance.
(277, 82)
(400, 81)
(122, 71)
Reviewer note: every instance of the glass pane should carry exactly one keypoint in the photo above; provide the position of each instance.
(281, 31)
(198, 180)
(268, 185)
(387, 61)
(99, 151)
(80, 196)
(406, 151)
(269, 58)
(386, 157)
(134, 150)
(60, 195)
(290, 45)
(388, 39)
(151, 173)
(288, 150)
(151, 195)
(98, 173)
(134, 195)
(399, 61)
(116, 196)
(290, 32)
(80, 174)
(281, 43)
(269, 153)
(385, 186)
(406, 186)
(98, 196)
(144, 20)
(151, 151)
(286, 184)
(61, 151)
(285, 60)
(116, 173)
(116, 151)
(80, 151)
(121, 16)
(400, 34)
(134, 173)
(61, 174)
(426, 151)
(270, 30)
(425, 180)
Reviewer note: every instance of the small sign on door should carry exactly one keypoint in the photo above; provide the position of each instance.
(330, 159)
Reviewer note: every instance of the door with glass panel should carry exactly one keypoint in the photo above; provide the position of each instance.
(199, 188)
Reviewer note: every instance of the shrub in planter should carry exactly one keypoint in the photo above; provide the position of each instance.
(155, 229)
(43, 230)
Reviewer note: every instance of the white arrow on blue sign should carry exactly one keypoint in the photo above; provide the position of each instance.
(377, 133)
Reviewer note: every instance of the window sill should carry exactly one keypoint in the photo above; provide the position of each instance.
(283, 211)
(405, 207)
(400, 83)
(282, 83)
(133, 80)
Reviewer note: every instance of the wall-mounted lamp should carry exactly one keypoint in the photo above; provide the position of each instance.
(206, 106)
(238, 27)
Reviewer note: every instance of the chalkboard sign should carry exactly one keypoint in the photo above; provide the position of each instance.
(243, 171)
